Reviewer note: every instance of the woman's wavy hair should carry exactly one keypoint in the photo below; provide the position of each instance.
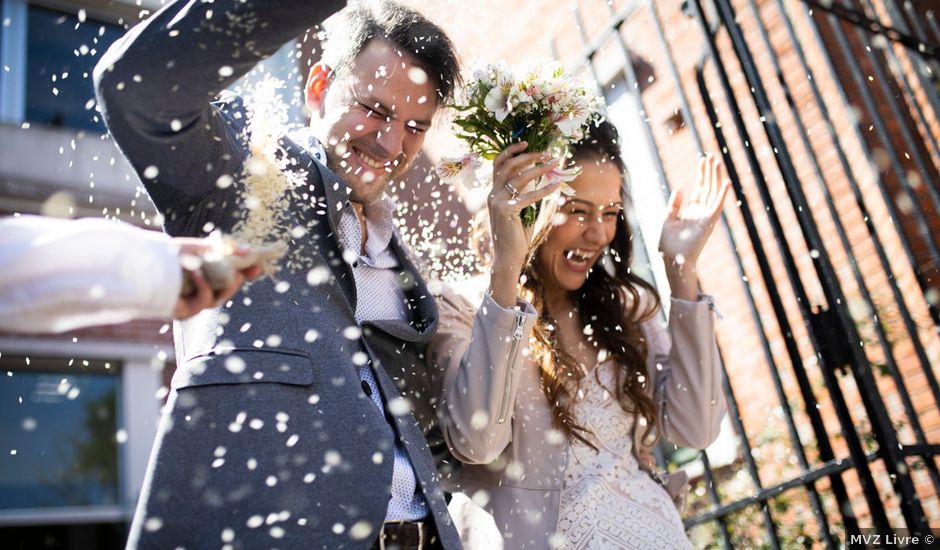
(613, 301)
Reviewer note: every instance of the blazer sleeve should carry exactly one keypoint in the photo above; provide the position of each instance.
(156, 84)
(476, 360)
(687, 373)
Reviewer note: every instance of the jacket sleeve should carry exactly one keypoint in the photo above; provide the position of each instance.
(476, 360)
(156, 84)
(687, 377)
(61, 275)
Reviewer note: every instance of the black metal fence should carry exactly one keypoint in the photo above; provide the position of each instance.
(866, 350)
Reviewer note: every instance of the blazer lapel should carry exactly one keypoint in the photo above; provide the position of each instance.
(422, 461)
(329, 193)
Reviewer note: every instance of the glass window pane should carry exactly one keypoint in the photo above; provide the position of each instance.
(59, 439)
(60, 55)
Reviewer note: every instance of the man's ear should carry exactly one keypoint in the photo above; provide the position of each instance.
(317, 82)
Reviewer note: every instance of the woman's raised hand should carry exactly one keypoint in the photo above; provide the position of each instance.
(513, 172)
(689, 222)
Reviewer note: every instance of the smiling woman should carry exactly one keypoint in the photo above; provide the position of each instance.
(589, 223)
(562, 446)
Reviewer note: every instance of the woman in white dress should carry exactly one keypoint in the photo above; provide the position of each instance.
(557, 448)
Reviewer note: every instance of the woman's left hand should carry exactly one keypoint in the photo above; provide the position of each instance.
(689, 223)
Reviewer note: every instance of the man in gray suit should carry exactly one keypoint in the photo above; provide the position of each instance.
(286, 427)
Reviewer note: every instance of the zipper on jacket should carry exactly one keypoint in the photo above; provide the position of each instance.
(710, 300)
(513, 350)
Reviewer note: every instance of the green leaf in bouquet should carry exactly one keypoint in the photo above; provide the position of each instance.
(529, 214)
(468, 125)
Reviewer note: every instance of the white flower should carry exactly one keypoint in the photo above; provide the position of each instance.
(572, 115)
(566, 190)
(497, 101)
(547, 104)
(483, 76)
(501, 81)
(457, 169)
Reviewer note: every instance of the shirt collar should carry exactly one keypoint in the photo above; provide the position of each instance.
(305, 138)
(380, 215)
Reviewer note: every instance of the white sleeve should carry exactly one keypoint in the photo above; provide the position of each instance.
(58, 275)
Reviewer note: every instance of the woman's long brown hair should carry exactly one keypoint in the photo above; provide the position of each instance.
(613, 301)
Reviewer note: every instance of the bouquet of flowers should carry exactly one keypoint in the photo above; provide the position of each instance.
(541, 105)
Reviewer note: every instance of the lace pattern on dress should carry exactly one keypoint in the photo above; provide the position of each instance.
(607, 500)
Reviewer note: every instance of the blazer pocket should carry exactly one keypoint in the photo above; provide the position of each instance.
(245, 366)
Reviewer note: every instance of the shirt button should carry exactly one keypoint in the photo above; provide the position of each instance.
(367, 388)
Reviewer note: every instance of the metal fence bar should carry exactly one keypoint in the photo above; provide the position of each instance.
(894, 218)
(831, 468)
(795, 441)
(878, 123)
(845, 419)
(910, 143)
(883, 340)
(874, 405)
(709, 480)
(920, 31)
(934, 27)
(925, 69)
(769, 524)
(922, 450)
(889, 201)
(875, 26)
(809, 399)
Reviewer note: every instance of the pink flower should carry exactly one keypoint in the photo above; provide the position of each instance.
(564, 175)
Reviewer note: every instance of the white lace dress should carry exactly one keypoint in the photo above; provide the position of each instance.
(607, 500)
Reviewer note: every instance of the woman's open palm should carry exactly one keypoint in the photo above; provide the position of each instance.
(689, 222)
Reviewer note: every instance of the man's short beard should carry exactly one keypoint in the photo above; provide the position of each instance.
(334, 164)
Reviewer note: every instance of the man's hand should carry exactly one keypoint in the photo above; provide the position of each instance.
(197, 294)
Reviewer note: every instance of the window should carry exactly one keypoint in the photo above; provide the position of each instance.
(646, 185)
(59, 434)
(61, 52)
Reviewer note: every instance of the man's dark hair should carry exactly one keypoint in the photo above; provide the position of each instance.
(407, 30)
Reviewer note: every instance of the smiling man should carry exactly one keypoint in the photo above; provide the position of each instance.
(285, 425)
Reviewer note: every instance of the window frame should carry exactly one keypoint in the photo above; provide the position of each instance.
(14, 54)
(52, 364)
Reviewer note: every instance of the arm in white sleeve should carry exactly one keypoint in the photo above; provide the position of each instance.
(58, 275)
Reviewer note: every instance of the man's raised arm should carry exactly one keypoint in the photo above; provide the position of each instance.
(155, 87)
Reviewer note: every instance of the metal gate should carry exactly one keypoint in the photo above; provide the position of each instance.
(828, 121)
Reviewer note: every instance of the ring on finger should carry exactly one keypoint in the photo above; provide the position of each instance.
(512, 190)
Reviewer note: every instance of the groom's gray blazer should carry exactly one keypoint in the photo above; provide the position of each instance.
(269, 439)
